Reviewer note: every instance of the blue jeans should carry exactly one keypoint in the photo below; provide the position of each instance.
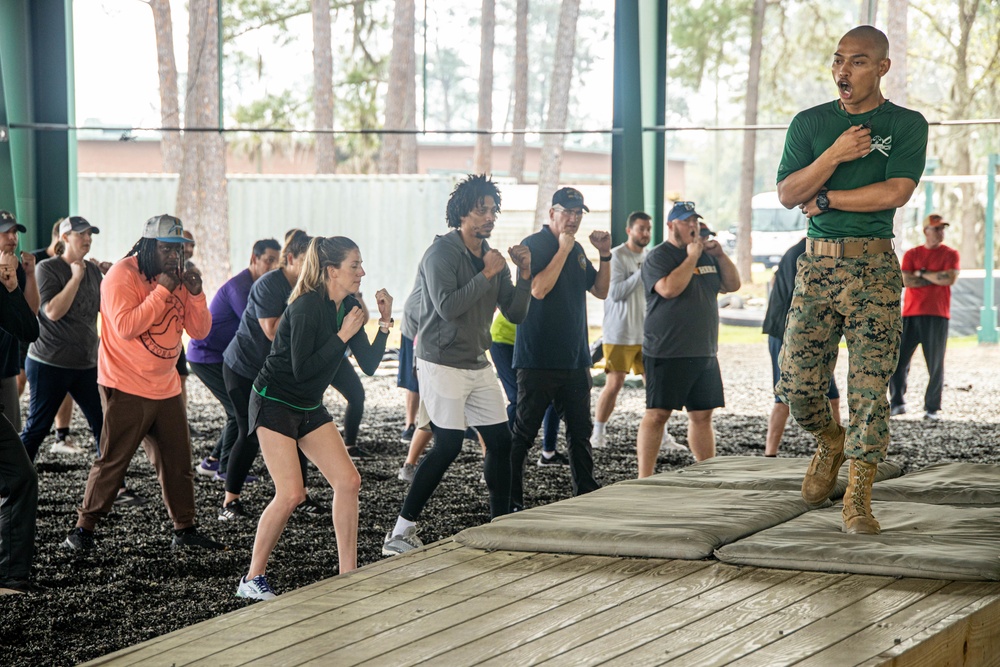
(49, 386)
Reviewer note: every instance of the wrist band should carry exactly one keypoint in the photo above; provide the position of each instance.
(382, 324)
(606, 259)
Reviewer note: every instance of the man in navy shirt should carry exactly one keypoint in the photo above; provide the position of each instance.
(550, 352)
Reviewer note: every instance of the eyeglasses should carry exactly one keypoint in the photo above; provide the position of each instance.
(686, 205)
(571, 212)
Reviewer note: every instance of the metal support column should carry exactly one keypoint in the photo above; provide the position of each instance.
(638, 158)
(988, 313)
(37, 169)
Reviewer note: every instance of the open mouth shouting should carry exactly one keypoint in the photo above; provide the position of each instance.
(845, 89)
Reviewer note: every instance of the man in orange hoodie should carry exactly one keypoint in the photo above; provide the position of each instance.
(147, 301)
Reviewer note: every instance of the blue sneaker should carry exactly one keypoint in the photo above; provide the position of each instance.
(207, 467)
(255, 589)
(221, 477)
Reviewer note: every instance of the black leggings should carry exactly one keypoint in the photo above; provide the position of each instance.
(347, 382)
(447, 445)
(245, 448)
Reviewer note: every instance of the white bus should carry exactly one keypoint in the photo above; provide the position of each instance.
(773, 228)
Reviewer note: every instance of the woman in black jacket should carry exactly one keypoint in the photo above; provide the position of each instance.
(322, 320)
(18, 481)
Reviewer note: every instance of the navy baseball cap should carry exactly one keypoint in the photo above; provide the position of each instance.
(682, 210)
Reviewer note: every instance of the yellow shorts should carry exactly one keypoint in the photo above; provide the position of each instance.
(622, 358)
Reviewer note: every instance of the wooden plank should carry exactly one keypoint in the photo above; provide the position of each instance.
(969, 637)
(249, 615)
(853, 618)
(366, 641)
(663, 593)
(773, 626)
(904, 624)
(623, 583)
(735, 630)
(581, 578)
(665, 620)
(394, 611)
(398, 591)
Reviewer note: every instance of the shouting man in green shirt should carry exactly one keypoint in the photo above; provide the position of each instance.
(848, 165)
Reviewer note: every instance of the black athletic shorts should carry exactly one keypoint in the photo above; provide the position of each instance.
(694, 383)
(284, 419)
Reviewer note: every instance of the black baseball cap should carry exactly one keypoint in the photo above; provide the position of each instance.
(569, 198)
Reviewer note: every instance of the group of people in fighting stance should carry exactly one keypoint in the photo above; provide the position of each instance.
(272, 341)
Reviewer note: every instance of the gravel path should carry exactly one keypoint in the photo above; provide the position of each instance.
(134, 588)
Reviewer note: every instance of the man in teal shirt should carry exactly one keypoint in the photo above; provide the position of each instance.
(848, 165)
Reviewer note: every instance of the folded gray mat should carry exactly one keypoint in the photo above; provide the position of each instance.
(653, 521)
(945, 484)
(917, 540)
(754, 473)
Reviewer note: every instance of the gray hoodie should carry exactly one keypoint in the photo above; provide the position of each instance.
(457, 304)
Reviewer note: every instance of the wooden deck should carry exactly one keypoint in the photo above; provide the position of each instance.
(451, 605)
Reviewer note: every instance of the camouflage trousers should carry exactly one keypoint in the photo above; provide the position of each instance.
(859, 299)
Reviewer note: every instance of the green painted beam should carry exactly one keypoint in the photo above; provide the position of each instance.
(626, 146)
(988, 313)
(37, 169)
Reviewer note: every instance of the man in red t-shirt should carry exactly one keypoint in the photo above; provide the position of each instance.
(928, 274)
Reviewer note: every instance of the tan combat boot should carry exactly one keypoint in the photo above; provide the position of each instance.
(858, 499)
(822, 474)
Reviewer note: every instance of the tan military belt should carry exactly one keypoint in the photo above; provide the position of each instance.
(848, 248)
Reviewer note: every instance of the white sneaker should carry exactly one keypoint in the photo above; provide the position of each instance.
(66, 447)
(668, 442)
(255, 589)
(400, 544)
(598, 440)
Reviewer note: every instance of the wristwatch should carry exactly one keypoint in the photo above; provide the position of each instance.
(822, 201)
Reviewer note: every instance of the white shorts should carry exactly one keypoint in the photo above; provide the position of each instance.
(454, 398)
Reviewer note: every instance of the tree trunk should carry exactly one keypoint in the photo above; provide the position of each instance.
(399, 151)
(202, 200)
(520, 91)
(552, 144)
(744, 251)
(326, 154)
(171, 151)
(482, 160)
(968, 210)
(895, 79)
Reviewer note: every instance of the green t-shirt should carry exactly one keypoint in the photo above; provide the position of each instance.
(899, 148)
(502, 330)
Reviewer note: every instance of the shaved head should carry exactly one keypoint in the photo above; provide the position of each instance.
(872, 35)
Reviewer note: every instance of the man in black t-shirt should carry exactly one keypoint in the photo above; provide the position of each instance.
(551, 354)
(682, 277)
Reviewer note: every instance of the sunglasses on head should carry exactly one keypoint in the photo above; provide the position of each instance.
(687, 205)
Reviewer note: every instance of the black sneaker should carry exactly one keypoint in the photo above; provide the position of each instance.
(356, 453)
(558, 459)
(129, 498)
(190, 537)
(310, 507)
(22, 586)
(407, 433)
(79, 539)
(232, 511)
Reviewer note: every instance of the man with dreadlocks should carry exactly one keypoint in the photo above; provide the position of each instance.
(147, 301)
(461, 281)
